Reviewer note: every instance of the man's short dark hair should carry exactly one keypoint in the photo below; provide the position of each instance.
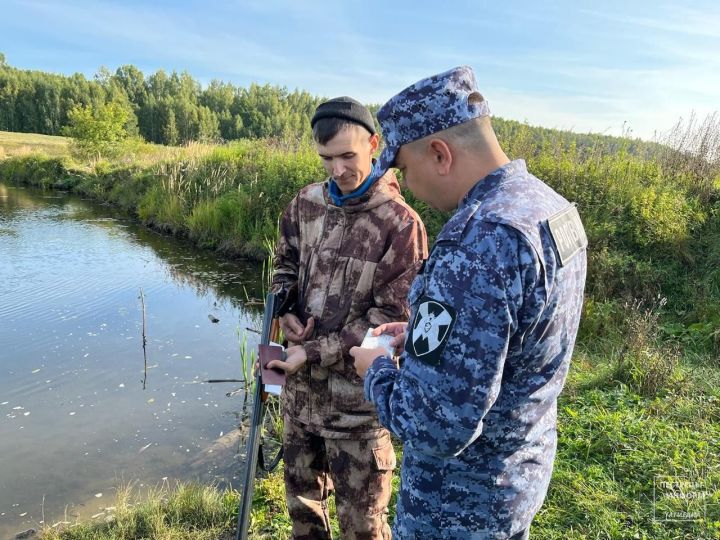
(326, 129)
(338, 113)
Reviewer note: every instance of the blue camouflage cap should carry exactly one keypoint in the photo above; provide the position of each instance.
(426, 107)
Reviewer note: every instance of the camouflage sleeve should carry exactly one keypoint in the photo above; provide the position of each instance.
(287, 254)
(391, 282)
(437, 406)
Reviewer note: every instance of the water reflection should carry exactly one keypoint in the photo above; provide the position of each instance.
(74, 418)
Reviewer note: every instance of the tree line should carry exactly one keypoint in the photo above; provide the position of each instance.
(163, 108)
(174, 109)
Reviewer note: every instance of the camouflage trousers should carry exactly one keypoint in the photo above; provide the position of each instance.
(358, 471)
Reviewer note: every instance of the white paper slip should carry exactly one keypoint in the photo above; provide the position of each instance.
(383, 340)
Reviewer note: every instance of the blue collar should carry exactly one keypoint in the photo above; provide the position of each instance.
(337, 196)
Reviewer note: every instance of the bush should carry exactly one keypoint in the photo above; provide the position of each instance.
(646, 364)
(662, 216)
(99, 132)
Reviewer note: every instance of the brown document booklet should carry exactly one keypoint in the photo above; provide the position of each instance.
(271, 376)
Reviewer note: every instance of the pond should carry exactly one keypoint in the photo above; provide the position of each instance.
(80, 414)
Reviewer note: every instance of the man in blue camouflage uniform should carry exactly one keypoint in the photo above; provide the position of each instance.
(495, 312)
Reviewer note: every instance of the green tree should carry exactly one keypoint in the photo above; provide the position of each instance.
(99, 131)
(132, 80)
(165, 118)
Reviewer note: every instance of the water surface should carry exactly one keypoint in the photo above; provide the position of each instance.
(75, 420)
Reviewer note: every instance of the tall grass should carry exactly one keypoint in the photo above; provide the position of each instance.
(692, 147)
(182, 511)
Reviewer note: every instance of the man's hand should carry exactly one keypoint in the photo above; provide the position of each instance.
(365, 357)
(296, 358)
(294, 330)
(396, 329)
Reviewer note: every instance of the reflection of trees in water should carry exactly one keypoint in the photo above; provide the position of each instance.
(207, 273)
(13, 200)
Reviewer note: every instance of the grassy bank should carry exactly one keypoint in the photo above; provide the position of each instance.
(19, 144)
(224, 197)
(639, 420)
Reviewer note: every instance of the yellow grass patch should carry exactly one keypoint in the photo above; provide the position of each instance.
(19, 144)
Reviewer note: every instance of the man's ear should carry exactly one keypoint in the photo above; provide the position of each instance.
(441, 156)
(374, 142)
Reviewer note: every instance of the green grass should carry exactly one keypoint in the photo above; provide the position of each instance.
(18, 144)
(224, 197)
(185, 511)
(615, 445)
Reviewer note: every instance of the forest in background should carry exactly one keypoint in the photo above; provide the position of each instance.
(174, 108)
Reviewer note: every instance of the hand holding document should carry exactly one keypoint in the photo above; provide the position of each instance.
(272, 378)
(383, 340)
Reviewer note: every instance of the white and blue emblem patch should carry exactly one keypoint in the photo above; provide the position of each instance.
(430, 330)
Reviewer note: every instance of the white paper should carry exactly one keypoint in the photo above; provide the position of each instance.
(383, 340)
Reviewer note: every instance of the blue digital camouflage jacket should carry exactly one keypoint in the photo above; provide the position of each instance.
(495, 313)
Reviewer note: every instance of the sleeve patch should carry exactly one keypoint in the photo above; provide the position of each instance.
(430, 330)
(568, 233)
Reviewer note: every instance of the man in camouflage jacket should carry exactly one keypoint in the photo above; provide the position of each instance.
(348, 250)
(495, 313)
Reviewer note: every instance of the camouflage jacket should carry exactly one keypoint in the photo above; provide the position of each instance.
(353, 265)
(494, 317)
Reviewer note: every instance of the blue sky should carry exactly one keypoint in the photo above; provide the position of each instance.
(587, 66)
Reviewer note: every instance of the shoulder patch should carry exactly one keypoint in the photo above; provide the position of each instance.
(568, 233)
(430, 330)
